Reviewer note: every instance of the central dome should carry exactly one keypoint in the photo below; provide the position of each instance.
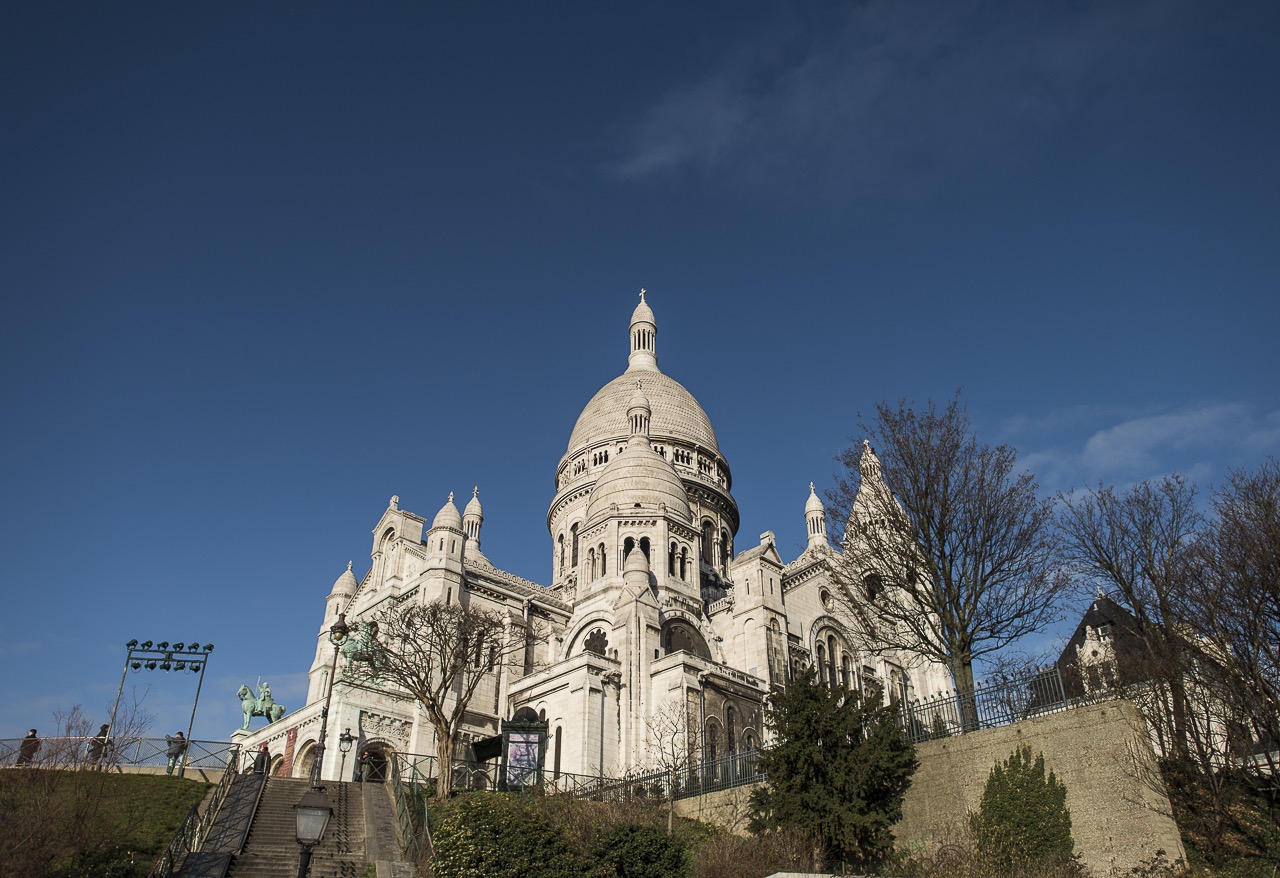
(676, 414)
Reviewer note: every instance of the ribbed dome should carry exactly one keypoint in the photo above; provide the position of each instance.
(346, 584)
(639, 476)
(813, 504)
(643, 313)
(473, 505)
(676, 414)
(448, 516)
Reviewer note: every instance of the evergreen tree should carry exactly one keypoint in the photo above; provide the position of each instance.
(838, 768)
(1023, 819)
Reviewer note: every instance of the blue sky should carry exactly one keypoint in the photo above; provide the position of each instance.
(265, 265)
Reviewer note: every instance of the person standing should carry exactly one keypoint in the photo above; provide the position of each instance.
(177, 747)
(28, 749)
(98, 746)
(262, 760)
(363, 767)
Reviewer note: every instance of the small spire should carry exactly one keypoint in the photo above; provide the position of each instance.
(642, 292)
(475, 492)
(450, 496)
(348, 566)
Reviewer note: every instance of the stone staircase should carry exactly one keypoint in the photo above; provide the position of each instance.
(271, 850)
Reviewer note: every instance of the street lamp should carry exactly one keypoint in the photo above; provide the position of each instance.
(312, 814)
(180, 657)
(337, 636)
(345, 740)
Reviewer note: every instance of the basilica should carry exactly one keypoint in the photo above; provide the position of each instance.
(653, 610)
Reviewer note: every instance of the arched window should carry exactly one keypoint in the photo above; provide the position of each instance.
(556, 763)
(831, 660)
(671, 560)
(725, 546)
(627, 545)
(822, 662)
(644, 547)
(846, 672)
(684, 564)
(712, 749)
(603, 571)
(730, 729)
(706, 543)
(574, 539)
(591, 562)
(560, 543)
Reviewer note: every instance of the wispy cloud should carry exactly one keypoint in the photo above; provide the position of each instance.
(1094, 445)
(899, 83)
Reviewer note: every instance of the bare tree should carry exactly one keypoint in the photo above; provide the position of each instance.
(1136, 546)
(948, 550)
(674, 746)
(439, 653)
(1234, 601)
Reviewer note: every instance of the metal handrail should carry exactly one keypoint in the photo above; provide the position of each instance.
(403, 791)
(195, 827)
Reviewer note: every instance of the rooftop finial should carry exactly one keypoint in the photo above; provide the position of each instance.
(450, 496)
(642, 292)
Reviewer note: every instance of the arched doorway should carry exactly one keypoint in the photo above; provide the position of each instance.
(371, 764)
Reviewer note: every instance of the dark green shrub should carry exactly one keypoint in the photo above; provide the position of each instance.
(1023, 819)
(633, 850)
(491, 835)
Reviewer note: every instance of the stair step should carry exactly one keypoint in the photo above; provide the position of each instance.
(272, 850)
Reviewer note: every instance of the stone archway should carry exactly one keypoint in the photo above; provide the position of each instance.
(372, 764)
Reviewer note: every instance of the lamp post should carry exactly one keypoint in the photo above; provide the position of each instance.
(312, 815)
(345, 740)
(179, 657)
(337, 636)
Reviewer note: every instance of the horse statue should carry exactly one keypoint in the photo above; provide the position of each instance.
(258, 705)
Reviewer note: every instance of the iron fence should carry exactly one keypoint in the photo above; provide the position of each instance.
(74, 752)
(999, 702)
(701, 777)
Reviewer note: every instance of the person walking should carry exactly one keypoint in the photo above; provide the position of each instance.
(177, 747)
(28, 749)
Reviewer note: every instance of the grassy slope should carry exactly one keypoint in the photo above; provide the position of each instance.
(89, 823)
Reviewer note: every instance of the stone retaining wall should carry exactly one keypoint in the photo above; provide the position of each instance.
(1120, 814)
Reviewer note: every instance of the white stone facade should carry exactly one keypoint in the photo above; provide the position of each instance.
(651, 606)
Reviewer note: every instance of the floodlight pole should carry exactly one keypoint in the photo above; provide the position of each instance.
(176, 657)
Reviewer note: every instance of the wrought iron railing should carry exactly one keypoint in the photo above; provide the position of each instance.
(409, 790)
(999, 702)
(419, 772)
(195, 828)
(75, 752)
